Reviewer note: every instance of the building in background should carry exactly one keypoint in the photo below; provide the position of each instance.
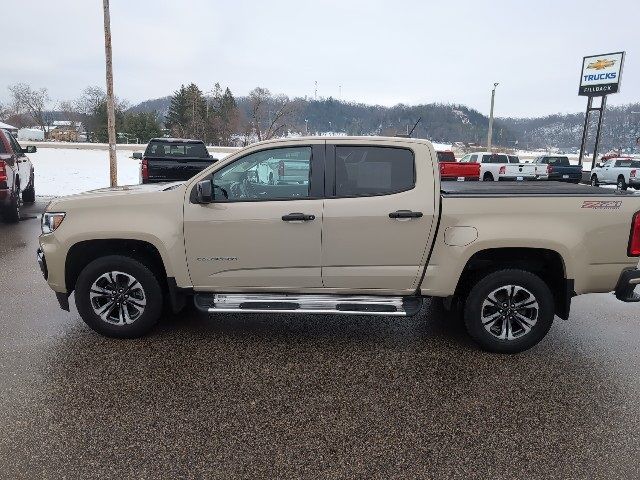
(67, 131)
(30, 134)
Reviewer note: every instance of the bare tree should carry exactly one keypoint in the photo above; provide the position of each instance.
(27, 100)
(4, 112)
(269, 114)
(91, 98)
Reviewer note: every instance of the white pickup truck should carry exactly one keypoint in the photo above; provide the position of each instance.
(622, 172)
(496, 167)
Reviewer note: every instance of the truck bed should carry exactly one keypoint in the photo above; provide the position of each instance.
(525, 189)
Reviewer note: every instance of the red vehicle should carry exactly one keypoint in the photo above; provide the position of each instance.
(452, 170)
(16, 177)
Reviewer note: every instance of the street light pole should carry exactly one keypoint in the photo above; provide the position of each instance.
(111, 114)
(490, 133)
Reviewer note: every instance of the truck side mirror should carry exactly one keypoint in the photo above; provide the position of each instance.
(137, 155)
(30, 149)
(204, 192)
(598, 165)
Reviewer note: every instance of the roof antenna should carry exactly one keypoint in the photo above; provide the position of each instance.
(409, 133)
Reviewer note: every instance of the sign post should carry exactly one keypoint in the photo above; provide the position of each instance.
(600, 76)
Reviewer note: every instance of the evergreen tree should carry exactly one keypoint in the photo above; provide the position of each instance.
(141, 125)
(176, 119)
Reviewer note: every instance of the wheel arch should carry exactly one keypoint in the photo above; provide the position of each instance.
(84, 252)
(548, 264)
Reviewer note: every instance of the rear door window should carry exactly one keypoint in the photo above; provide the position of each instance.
(513, 159)
(176, 150)
(495, 158)
(446, 157)
(368, 171)
(558, 161)
(624, 163)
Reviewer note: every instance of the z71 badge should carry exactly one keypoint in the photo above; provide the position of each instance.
(602, 204)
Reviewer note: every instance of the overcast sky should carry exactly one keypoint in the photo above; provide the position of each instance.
(382, 52)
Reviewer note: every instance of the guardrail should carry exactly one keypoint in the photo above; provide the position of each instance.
(133, 147)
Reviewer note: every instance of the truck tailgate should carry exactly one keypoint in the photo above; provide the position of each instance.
(457, 170)
(170, 170)
(520, 170)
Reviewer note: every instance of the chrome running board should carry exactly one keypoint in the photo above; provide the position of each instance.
(323, 304)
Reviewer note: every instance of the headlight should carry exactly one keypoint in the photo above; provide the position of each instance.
(51, 221)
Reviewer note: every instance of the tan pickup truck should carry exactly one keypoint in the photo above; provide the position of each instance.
(358, 226)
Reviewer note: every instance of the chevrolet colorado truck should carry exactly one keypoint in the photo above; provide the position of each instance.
(17, 183)
(372, 231)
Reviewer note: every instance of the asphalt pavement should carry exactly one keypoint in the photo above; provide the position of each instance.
(308, 396)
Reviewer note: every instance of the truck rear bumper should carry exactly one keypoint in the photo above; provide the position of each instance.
(516, 178)
(629, 280)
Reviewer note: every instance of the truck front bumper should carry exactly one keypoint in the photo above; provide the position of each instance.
(629, 280)
(63, 298)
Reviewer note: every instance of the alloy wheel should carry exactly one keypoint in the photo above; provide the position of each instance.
(117, 298)
(509, 312)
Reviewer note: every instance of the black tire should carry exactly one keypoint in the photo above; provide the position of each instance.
(29, 195)
(487, 177)
(621, 184)
(594, 181)
(479, 304)
(11, 213)
(146, 281)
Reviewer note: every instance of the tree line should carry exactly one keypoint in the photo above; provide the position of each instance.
(220, 118)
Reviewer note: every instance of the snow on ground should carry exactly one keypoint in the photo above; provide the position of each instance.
(65, 171)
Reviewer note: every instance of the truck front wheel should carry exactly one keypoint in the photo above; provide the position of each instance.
(118, 296)
(509, 311)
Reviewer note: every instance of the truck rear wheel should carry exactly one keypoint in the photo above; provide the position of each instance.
(509, 311)
(621, 184)
(29, 194)
(487, 177)
(594, 181)
(12, 212)
(118, 296)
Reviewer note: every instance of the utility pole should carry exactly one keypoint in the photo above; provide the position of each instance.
(315, 92)
(111, 114)
(490, 134)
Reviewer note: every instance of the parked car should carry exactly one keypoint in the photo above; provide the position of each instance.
(450, 169)
(172, 159)
(622, 172)
(372, 232)
(553, 167)
(496, 167)
(17, 182)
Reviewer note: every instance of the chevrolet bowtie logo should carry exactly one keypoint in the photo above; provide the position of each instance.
(601, 64)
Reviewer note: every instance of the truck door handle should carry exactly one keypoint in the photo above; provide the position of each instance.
(293, 217)
(405, 214)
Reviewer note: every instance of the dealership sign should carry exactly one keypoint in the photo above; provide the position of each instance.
(601, 74)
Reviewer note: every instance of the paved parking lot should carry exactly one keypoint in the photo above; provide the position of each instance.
(309, 396)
